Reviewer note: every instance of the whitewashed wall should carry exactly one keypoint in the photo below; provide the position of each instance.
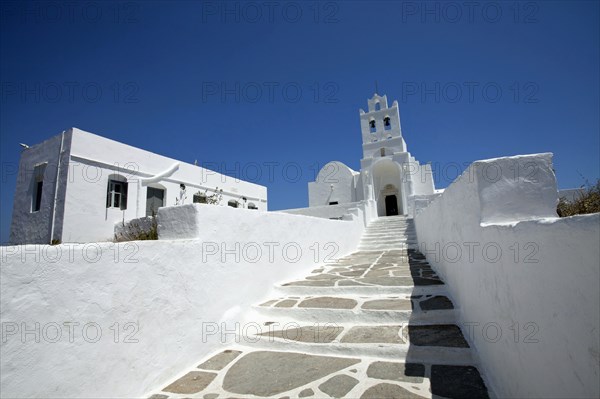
(168, 289)
(527, 283)
(41, 226)
(368, 210)
(421, 178)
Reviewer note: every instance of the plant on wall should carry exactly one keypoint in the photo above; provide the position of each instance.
(139, 229)
(587, 201)
(205, 198)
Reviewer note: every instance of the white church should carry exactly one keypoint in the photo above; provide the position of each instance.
(389, 175)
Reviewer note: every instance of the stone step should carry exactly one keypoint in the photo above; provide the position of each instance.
(366, 309)
(390, 225)
(243, 371)
(387, 240)
(383, 236)
(360, 290)
(338, 316)
(383, 247)
(381, 281)
(388, 228)
(391, 219)
(397, 352)
(382, 232)
(441, 343)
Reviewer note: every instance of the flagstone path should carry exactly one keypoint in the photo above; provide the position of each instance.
(375, 324)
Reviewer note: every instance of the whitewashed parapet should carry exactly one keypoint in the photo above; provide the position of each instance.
(526, 283)
(516, 188)
(336, 211)
(226, 224)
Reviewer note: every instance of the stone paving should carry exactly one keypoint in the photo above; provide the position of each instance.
(374, 324)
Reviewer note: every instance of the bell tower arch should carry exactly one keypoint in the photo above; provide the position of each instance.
(381, 128)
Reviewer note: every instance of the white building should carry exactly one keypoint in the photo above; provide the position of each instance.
(74, 187)
(389, 174)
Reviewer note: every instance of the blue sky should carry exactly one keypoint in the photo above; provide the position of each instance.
(238, 84)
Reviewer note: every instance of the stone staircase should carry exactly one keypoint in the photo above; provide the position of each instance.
(375, 324)
(395, 232)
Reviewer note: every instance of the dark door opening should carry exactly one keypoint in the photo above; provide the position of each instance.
(155, 198)
(391, 205)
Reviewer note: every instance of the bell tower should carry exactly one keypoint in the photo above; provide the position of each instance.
(381, 130)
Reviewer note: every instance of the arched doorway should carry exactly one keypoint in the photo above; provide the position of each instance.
(391, 205)
(387, 184)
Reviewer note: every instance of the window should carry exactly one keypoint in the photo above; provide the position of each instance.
(37, 189)
(372, 126)
(199, 199)
(333, 203)
(232, 203)
(117, 194)
(377, 106)
(386, 123)
(37, 201)
(383, 152)
(252, 206)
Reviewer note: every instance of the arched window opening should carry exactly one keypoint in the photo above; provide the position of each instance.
(252, 206)
(372, 126)
(377, 106)
(386, 123)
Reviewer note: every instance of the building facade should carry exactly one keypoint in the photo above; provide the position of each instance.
(389, 174)
(74, 187)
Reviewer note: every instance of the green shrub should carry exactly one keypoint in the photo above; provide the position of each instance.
(587, 201)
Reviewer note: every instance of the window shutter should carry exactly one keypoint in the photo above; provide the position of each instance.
(124, 197)
(108, 204)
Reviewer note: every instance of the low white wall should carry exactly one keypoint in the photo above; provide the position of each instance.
(325, 211)
(169, 290)
(528, 289)
(416, 203)
(368, 209)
